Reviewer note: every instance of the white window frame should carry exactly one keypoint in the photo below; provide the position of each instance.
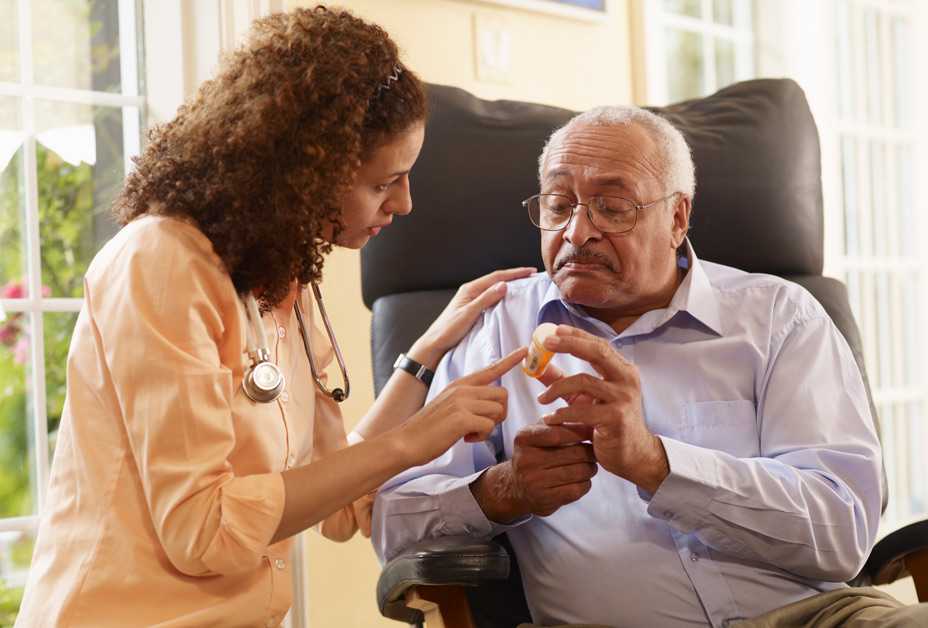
(172, 73)
(655, 19)
(35, 305)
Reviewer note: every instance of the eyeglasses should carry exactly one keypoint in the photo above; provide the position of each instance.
(609, 214)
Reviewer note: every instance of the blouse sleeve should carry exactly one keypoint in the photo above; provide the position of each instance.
(161, 312)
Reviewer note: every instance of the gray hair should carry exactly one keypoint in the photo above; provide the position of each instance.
(673, 153)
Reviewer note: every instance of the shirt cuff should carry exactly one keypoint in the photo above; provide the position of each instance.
(684, 496)
(463, 515)
(251, 509)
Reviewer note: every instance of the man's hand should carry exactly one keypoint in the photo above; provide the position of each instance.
(622, 443)
(551, 466)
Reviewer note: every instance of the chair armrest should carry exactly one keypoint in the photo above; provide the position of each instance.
(450, 560)
(887, 561)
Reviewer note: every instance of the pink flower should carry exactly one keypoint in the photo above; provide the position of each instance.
(21, 351)
(14, 290)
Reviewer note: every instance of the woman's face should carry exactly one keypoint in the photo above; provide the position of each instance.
(380, 189)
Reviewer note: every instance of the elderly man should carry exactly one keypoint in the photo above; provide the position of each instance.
(738, 466)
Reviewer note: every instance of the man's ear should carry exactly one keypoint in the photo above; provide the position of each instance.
(681, 219)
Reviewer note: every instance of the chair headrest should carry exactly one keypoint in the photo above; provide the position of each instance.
(758, 203)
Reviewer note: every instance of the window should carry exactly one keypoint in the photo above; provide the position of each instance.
(696, 47)
(854, 58)
(875, 132)
(70, 122)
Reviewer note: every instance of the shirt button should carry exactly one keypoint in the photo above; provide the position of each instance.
(291, 460)
(280, 563)
(281, 332)
(285, 396)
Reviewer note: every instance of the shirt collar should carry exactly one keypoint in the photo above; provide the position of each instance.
(694, 296)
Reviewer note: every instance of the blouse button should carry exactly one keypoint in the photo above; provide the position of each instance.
(281, 332)
(285, 396)
(280, 563)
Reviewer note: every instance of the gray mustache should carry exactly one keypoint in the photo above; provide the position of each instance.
(584, 257)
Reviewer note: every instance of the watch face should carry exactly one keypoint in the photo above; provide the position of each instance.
(267, 376)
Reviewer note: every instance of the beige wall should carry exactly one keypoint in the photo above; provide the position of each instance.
(555, 60)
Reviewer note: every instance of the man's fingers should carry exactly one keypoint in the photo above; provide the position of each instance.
(571, 474)
(572, 416)
(607, 361)
(496, 370)
(566, 455)
(540, 435)
(569, 388)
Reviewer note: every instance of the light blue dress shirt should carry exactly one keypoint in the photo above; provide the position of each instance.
(774, 486)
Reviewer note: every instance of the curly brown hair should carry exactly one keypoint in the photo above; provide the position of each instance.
(259, 158)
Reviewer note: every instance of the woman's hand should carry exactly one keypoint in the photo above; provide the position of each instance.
(460, 314)
(469, 408)
(363, 512)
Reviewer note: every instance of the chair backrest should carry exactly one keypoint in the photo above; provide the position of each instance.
(758, 203)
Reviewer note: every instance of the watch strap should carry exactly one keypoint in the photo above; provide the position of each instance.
(420, 372)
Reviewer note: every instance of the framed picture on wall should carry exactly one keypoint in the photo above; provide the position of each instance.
(588, 10)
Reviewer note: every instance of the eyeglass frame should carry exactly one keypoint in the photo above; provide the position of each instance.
(589, 212)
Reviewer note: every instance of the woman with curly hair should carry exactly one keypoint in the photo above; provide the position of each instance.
(191, 449)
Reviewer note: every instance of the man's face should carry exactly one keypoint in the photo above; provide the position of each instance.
(613, 275)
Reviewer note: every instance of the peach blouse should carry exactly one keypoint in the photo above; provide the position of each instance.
(166, 485)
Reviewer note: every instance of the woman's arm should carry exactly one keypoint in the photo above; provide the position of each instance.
(470, 408)
(404, 394)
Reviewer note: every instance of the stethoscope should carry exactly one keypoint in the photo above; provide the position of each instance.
(264, 381)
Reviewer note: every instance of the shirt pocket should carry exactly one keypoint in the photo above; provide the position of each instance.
(729, 426)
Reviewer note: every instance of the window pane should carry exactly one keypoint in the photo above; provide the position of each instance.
(16, 440)
(902, 70)
(9, 41)
(76, 44)
(692, 8)
(878, 198)
(851, 210)
(79, 154)
(723, 13)
(58, 327)
(684, 64)
(884, 315)
(724, 62)
(904, 186)
(15, 558)
(12, 250)
(917, 438)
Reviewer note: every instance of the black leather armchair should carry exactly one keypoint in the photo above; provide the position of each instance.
(758, 207)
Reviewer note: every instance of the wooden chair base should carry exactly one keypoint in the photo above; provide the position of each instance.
(917, 564)
(443, 606)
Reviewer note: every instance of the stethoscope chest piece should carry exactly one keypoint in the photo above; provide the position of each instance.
(263, 382)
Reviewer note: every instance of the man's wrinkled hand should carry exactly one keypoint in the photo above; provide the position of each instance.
(622, 442)
(551, 466)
